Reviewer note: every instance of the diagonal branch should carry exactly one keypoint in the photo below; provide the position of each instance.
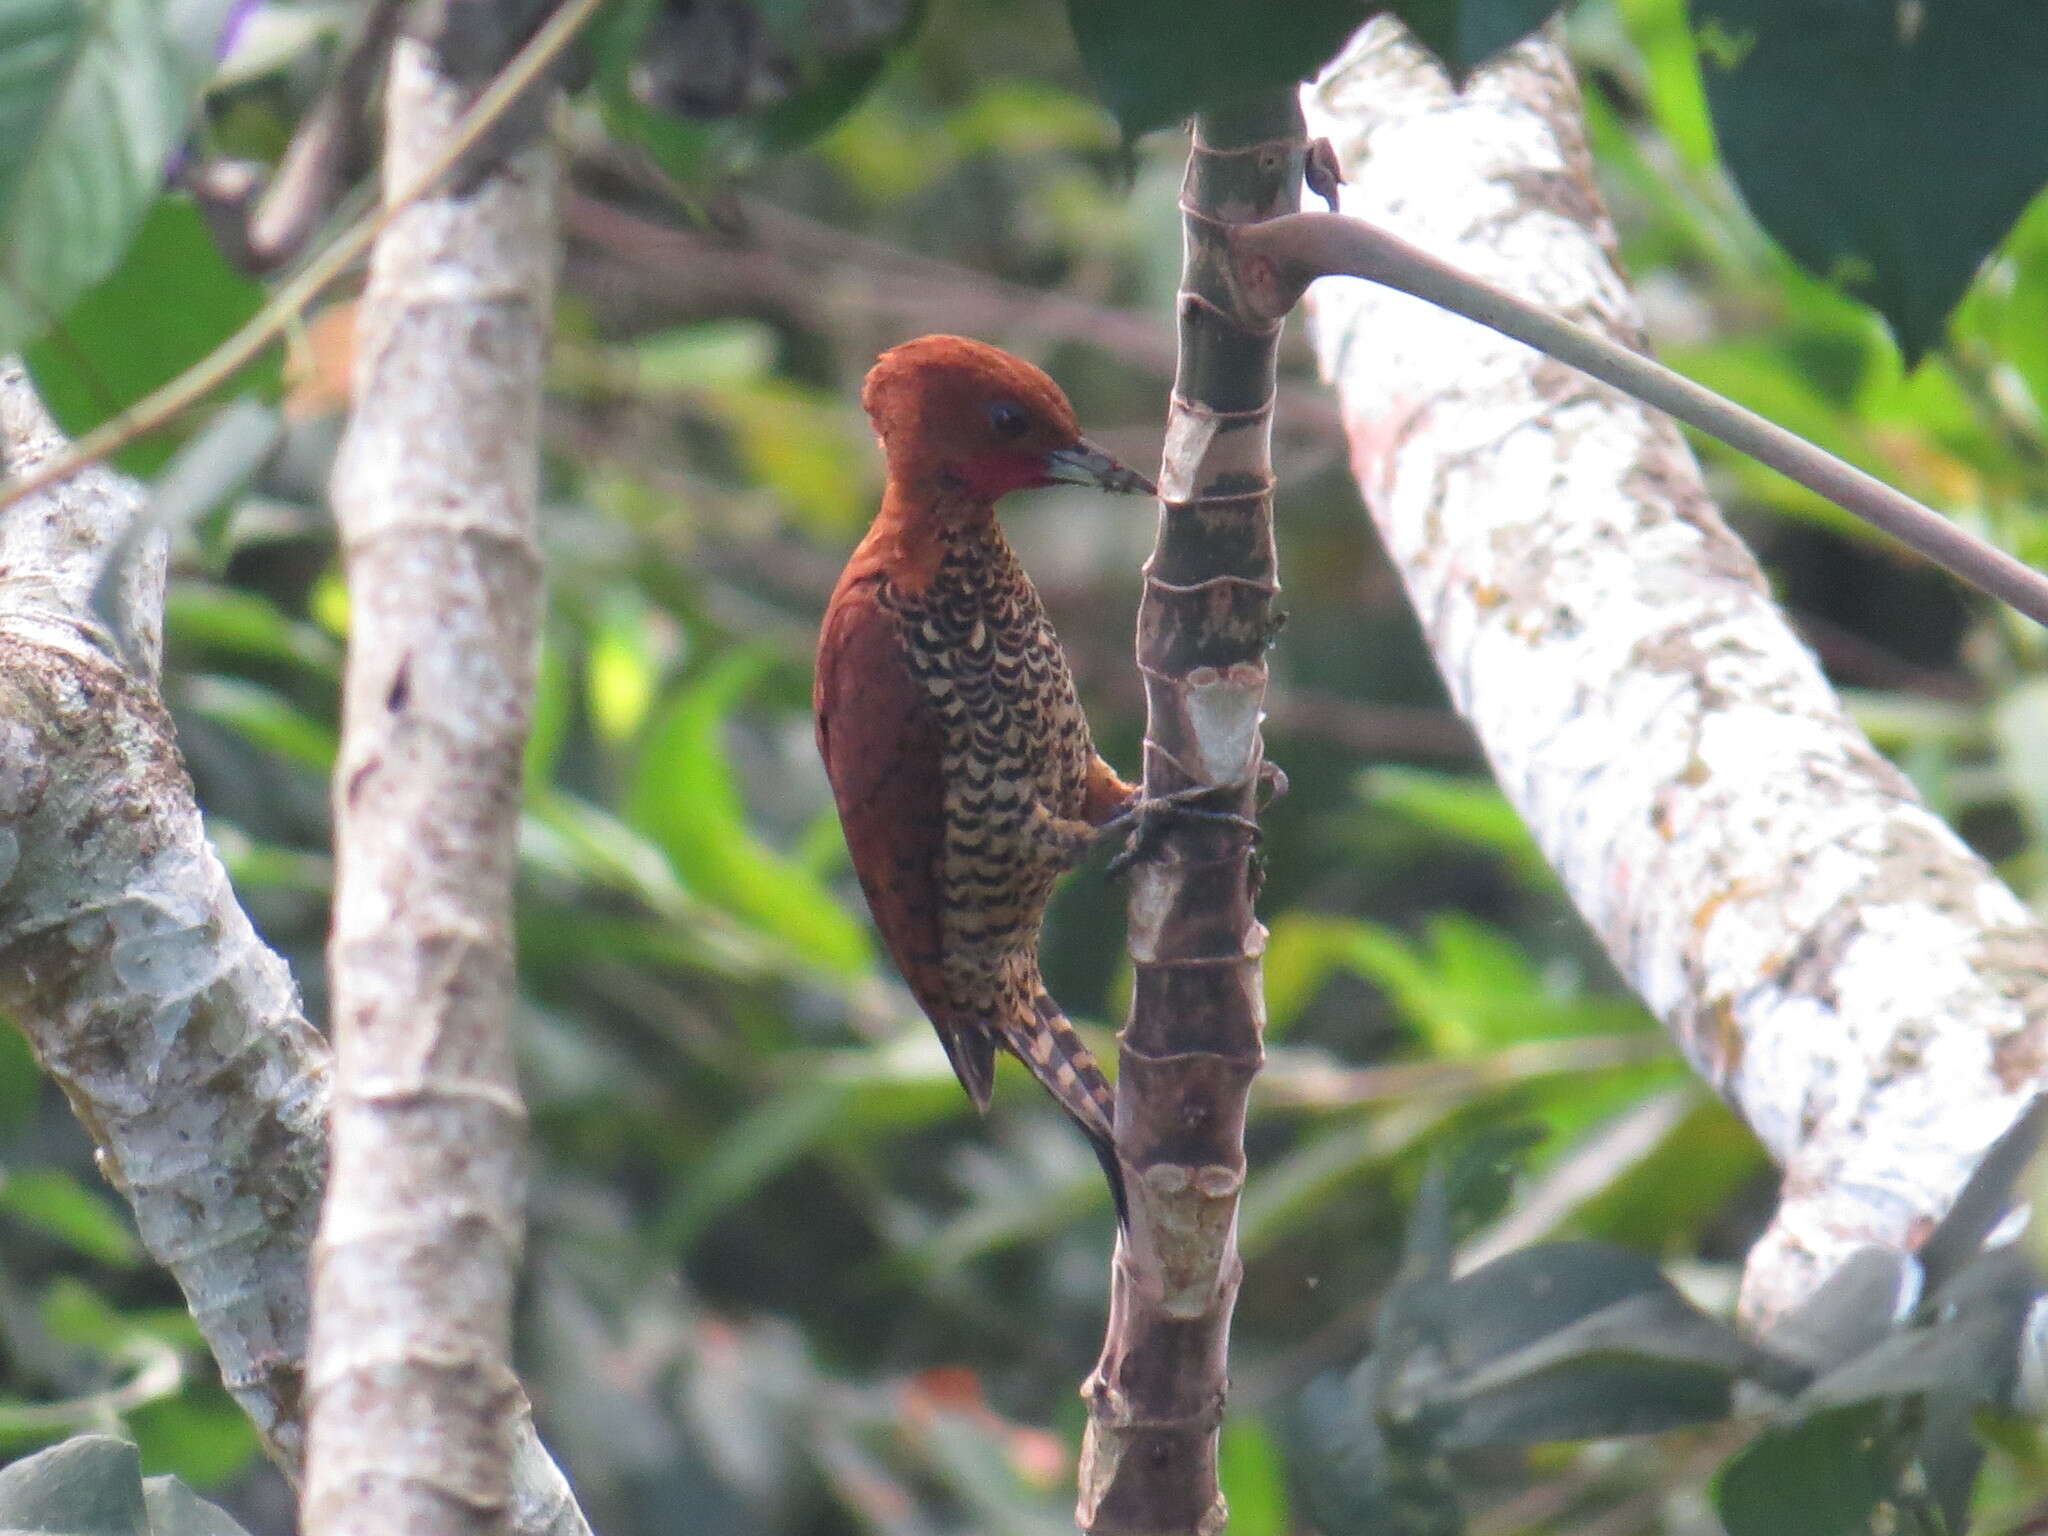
(173, 1031)
(1826, 951)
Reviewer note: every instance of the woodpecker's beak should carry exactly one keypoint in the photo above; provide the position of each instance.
(1086, 464)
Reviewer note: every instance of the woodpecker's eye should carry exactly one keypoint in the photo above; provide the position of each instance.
(1008, 419)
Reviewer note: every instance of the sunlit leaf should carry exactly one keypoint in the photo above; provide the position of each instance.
(94, 97)
(620, 668)
(54, 1203)
(685, 796)
(1470, 809)
(1303, 950)
(121, 340)
(1248, 1466)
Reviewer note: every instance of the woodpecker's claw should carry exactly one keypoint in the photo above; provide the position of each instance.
(1141, 822)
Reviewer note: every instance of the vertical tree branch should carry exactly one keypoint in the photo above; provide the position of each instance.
(1827, 952)
(1193, 1043)
(415, 1413)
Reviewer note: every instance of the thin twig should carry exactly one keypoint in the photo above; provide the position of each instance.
(1297, 250)
(159, 1374)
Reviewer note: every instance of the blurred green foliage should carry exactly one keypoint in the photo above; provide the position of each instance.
(781, 1275)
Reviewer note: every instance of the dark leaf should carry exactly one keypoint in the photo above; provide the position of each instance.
(1886, 146)
(91, 1485)
(769, 75)
(1355, 1480)
(1570, 1341)
(1464, 34)
(1971, 1347)
(1157, 61)
(1598, 1396)
(1821, 1477)
(1482, 1173)
(1950, 1452)
(175, 1510)
(1870, 1293)
(171, 301)
(1526, 1296)
(1985, 1198)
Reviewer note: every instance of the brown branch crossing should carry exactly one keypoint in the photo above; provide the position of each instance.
(1278, 259)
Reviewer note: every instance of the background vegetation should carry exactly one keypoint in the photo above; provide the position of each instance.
(780, 1275)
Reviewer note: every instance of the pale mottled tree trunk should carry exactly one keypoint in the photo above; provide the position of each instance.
(416, 1420)
(1826, 951)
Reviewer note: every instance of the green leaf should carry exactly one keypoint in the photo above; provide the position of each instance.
(172, 301)
(247, 629)
(263, 717)
(1249, 1468)
(1886, 147)
(621, 665)
(91, 1485)
(1819, 1478)
(20, 1079)
(676, 84)
(685, 798)
(1303, 950)
(55, 1203)
(1469, 808)
(94, 97)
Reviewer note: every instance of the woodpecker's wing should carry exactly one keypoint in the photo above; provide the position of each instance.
(885, 756)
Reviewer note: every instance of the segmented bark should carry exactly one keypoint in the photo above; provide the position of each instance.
(1193, 1043)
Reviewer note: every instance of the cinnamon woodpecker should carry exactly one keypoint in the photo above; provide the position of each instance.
(966, 778)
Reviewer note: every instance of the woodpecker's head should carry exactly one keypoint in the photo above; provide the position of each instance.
(962, 422)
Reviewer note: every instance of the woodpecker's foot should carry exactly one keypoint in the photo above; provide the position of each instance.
(1142, 821)
(1273, 780)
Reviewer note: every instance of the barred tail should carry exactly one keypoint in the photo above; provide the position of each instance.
(1047, 1042)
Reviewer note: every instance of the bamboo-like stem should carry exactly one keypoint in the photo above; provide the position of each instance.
(1193, 1043)
(1278, 260)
